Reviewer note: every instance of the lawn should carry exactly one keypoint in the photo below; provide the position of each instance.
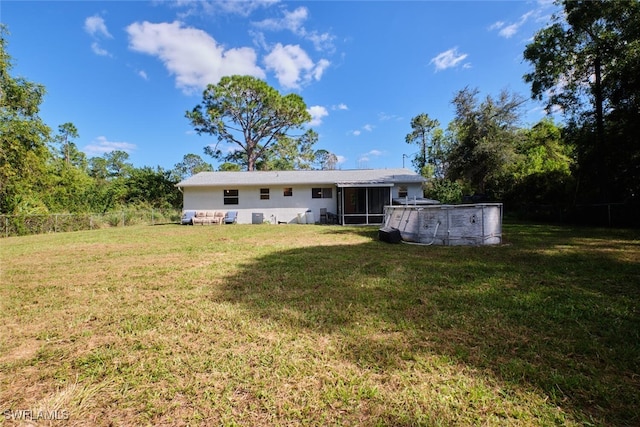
(319, 325)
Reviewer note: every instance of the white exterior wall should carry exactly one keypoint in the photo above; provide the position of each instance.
(277, 209)
(413, 190)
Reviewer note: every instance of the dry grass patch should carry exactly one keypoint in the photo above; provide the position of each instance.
(316, 325)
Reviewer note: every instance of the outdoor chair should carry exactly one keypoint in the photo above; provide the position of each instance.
(231, 217)
(323, 215)
(332, 218)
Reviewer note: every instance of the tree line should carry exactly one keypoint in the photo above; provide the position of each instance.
(585, 68)
(42, 171)
(485, 153)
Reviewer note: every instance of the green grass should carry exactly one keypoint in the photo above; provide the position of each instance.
(321, 325)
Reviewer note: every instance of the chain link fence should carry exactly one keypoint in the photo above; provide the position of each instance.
(21, 225)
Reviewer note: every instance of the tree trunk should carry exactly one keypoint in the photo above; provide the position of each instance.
(600, 138)
(251, 158)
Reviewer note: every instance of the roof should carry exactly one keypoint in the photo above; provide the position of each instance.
(333, 177)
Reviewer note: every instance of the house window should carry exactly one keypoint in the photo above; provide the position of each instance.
(322, 193)
(230, 197)
(288, 191)
(403, 191)
(264, 194)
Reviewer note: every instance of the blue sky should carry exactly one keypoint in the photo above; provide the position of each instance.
(125, 72)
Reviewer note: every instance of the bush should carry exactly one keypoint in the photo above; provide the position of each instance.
(444, 190)
(19, 225)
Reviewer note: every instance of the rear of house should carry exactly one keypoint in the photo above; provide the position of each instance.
(339, 196)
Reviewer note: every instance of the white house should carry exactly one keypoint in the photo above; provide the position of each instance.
(347, 196)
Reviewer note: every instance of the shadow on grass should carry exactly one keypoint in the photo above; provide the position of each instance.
(539, 313)
(364, 231)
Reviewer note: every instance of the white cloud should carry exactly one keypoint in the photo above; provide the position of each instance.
(375, 153)
(216, 7)
(102, 145)
(448, 59)
(385, 116)
(318, 70)
(508, 30)
(496, 25)
(366, 157)
(317, 113)
(259, 39)
(294, 22)
(293, 67)
(288, 62)
(363, 159)
(340, 106)
(95, 47)
(192, 55)
(358, 132)
(142, 74)
(291, 64)
(291, 21)
(95, 26)
(242, 8)
(321, 41)
(235, 7)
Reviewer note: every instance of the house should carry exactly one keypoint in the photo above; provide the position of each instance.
(347, 196)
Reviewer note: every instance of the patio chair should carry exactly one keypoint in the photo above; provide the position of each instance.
(323, 215)
(231, 217)
(332, 218)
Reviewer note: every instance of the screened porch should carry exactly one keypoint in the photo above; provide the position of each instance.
(363, 204)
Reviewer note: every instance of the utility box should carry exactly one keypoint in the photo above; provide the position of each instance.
(257, 218)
